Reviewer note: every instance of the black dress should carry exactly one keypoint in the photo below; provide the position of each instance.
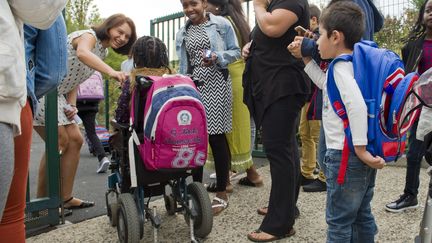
(278, 89)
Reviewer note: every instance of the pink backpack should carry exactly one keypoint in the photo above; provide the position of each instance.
(92, 88)
(175, 125)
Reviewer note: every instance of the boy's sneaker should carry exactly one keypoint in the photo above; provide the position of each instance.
(405, 201)
(103, 165)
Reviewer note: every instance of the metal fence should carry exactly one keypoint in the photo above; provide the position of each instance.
(165, 28)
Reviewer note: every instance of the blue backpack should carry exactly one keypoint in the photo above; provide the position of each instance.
(382, 81)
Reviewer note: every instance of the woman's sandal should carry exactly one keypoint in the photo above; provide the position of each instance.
(263, 211)
(245, 181)
(212, 187)
(220, 203)
(253, 236)
(83, 204)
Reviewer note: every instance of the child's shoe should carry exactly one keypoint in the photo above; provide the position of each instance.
(103, 165)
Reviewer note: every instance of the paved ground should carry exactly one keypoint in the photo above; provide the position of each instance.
(240, 217)
(88, 184)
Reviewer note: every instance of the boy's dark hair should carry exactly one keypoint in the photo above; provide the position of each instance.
(102, 31)
(234, 9)
(314, 11)
(346, 17)
(150, 52)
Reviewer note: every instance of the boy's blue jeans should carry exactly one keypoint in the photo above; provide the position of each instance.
(348, 211)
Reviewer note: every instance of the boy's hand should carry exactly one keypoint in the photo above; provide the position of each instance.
(295, 47)
(367, 158)
(376, 162)
(309, 34)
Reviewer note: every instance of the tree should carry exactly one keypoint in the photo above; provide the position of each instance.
(395, 30)
(81, 14)
(417, 4)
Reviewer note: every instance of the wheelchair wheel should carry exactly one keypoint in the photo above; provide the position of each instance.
(170, 204)
(203, 222)
(128, 223)
(113, 208)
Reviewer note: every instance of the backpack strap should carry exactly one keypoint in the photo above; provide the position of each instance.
(339, 109)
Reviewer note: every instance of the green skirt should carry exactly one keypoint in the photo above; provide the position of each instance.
(239, 139)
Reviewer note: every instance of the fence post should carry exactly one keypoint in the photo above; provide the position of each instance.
(45, 211)
(107, 115)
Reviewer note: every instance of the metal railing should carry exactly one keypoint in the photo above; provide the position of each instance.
(45, 211)
(165, 28)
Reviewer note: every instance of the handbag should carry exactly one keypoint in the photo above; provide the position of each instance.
(92, 88)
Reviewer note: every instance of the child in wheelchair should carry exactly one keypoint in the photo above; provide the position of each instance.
(159, 139)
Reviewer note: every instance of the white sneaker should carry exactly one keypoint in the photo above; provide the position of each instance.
(103, 165)
(213, 176)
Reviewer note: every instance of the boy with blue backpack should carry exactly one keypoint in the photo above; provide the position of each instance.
(348, 211)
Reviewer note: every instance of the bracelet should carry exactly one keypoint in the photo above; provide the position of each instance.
(72, 105)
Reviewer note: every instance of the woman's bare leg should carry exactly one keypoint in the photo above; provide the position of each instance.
(69, 161)
(42, 176)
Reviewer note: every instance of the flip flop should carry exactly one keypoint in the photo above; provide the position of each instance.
(272, 238)
(220, 203)
(83, 204)
(262, 211)
(245, 181)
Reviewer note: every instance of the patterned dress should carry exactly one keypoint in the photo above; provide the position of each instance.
(239, 139)
(78, 72)
(216, 92)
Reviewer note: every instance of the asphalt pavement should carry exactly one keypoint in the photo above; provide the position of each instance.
(88, 185)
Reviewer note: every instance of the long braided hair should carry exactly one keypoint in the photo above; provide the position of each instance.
(419, 27)
(150, 52)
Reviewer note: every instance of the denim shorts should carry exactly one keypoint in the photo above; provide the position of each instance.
(46, 58)
(348, 211)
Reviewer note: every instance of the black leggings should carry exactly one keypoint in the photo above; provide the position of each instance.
(222, 158)
(88, 118)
